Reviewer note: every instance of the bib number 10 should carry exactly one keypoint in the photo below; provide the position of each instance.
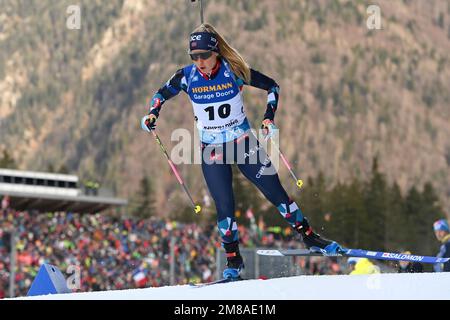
(223, 111)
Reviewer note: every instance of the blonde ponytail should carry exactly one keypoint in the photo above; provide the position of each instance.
(237, 64)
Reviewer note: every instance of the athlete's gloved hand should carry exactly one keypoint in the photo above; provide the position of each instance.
(269, 128)
(148, 122)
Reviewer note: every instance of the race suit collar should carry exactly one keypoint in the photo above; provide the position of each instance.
(214, 71)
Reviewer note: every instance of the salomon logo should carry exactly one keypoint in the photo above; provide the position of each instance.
(402, 256)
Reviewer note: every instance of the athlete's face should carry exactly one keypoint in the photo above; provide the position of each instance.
(440, 234)
(204, 64)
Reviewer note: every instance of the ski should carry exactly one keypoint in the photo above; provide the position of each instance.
(205, 284)
(355, 253)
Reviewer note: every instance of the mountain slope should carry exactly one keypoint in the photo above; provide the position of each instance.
(75, 97)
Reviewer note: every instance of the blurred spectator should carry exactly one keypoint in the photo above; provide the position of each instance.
(91, 187)
(409, 266)
(362, 266)
(5, 202)
(2, 291)
(442, 233)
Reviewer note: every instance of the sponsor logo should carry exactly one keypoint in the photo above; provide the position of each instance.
(402, 256)
(203, 96)
(223, 94)
(196, 37)
(211, 95)
(371, 253)
(226, 74)
(252, 152)
(263, 167)
(217, 87)
(222, 127)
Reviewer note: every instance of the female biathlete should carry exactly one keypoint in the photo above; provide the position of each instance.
(214, 84)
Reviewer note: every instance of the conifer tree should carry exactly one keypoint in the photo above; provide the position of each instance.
(144, 202)
(7, 161)
(413, 203)
(396, 220)
(373, 228)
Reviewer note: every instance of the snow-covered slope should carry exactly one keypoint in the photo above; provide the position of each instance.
(381, 286)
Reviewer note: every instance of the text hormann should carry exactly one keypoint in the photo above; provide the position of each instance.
(217, 87)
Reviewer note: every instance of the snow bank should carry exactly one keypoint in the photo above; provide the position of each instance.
(381, 286)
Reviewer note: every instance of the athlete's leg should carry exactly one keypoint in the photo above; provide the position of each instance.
(218, 177)
(264, 176)
(256, 166)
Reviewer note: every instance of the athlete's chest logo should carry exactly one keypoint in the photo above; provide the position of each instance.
(212, 88)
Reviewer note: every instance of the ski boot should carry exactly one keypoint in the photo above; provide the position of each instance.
(235, 263)
(315, 242)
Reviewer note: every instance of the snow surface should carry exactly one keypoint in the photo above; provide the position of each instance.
(421, 286)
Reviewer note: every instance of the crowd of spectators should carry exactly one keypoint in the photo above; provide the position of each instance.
(118, 253)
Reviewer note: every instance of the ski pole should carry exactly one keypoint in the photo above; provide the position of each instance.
(298, 182)
(201, 10)
(197, 208)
